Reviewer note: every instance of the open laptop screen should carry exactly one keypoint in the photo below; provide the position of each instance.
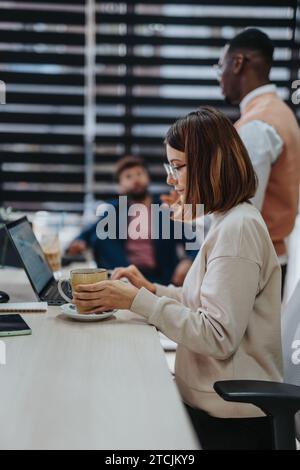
(31, 254)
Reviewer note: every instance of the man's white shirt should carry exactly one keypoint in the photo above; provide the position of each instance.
(264, 146)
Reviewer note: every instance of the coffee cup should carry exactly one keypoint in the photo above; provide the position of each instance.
(81, 276)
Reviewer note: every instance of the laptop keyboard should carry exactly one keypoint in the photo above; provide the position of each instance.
(53, 294)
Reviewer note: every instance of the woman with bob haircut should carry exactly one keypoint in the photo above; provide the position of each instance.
(226, 316)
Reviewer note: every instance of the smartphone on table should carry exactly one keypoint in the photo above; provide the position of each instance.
(13, 325)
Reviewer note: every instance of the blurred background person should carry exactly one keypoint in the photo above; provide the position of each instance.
(269, 131)
(156, 258)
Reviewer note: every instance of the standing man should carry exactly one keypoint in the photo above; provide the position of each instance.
(269, 131)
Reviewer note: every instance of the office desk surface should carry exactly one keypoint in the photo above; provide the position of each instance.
(73, 385)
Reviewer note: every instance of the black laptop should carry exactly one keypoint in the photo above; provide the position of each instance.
(34, 262)
(8, 255)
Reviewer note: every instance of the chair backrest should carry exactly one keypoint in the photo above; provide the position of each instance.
(291, 344)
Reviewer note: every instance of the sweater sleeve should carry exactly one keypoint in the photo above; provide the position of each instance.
(226, 301)
(169, 291)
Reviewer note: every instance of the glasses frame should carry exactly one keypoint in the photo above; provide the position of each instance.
(219, 68)
(173, 171)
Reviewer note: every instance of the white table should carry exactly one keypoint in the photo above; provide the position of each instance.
(74, 385)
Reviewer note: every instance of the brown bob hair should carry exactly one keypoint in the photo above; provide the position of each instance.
(220, 174)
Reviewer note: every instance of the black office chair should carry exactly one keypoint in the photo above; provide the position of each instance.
(279, 401)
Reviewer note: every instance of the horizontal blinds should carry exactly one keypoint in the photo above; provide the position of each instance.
(153, 64)
(42, 59)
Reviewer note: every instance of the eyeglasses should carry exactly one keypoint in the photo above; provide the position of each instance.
(173, 171)
(219, 70)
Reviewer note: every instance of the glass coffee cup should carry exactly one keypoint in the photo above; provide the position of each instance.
(51, 248)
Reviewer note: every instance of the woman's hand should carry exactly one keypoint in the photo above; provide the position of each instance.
(134, 276)
(105, 295)
(77, 247)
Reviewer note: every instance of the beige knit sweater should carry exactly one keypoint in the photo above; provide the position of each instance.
(226, 317)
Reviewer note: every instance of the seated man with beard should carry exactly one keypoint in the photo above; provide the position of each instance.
(155, 258)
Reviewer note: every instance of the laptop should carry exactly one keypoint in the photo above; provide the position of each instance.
(8, 255)
(34, 262)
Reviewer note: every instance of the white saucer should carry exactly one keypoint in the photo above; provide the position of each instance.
(70, 311)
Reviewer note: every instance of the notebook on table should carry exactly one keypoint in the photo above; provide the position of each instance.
(167, 344)
(24, 307)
